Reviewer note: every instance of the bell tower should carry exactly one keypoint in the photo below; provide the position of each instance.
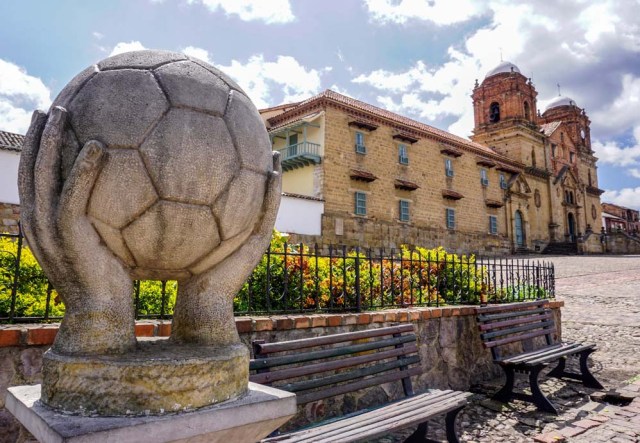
(506, 115)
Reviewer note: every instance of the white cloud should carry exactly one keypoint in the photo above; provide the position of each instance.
(440, 12)
(263, 80)
(126, 47)
(199, 53)
(617, 154)
(629, 197)
(634, 172)
(270, 12)
(97, 35)
(20, 95)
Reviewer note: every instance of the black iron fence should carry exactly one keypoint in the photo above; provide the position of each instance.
(298, 278)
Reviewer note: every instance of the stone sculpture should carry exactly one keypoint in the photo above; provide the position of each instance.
(149, 165)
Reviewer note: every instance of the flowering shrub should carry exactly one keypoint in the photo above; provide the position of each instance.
(297, 279)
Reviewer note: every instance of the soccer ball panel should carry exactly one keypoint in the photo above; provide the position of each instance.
(70, 90)
(245, 196)
(117, 107)
(190, 156)
(218, 73)
(248, 134)
(190, 85)
(113, 239)
(226, 248)
(123, 190)
(171, 235)
(147, 59)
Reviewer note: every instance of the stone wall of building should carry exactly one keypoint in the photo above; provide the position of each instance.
(9, 218)
(448, 341)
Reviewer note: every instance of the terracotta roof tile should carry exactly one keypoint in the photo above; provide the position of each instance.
(11, 141)
(451, 195)
(357, 174)
(405, 184)
(549, 128)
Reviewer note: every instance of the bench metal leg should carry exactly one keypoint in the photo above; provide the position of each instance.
(539, 398)
(420, 435)
(588, 379)
(450, 421)
(559, 371)
(505, 394)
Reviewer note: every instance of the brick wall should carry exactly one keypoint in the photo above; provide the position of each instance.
(449, 345)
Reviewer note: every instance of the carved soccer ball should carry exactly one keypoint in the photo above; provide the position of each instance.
(186, 165)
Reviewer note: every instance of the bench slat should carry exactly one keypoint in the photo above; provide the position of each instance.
(361, 384)
(269, 348)
(526, 327)
(515, 338)
(515, 314)
(421, 402)
(558, 354)
(283, 374)
(518, 321)
(306, 385)
(511, 307)
(263, 363)
(522, 358)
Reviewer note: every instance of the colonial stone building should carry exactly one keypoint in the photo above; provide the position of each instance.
(525, 181)
(619, 218)
(10, 146)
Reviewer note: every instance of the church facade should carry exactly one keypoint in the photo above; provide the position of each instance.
(526, 179)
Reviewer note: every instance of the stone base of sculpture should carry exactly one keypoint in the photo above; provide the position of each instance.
(156, 378)
(246, 420)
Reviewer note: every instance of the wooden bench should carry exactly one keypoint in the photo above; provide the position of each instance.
(327, 366)
(532, 324)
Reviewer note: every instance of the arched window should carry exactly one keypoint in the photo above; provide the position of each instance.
(590, 179)
(494, 112)
(527, 111)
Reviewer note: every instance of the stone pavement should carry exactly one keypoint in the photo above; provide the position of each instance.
(602, 306)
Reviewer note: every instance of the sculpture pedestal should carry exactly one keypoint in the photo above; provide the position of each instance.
(157, 377)
(248, 419)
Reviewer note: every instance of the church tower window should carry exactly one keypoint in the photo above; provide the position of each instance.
(494, 112)
(527, 111)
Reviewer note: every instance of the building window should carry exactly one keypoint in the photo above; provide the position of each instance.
(572, 156)
(360, 147)
(553, 149)
(451, 218)
(533, 157)
(527, 112)
(484, 178)
(404, 210)
(493, 224)
(403, 156)
(448, 167)
(494, 112)
(503, 182)
(361, 203)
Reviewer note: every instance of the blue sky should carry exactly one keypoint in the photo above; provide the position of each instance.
(418, 58)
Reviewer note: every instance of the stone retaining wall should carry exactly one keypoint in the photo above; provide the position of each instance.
(9, 218)
(449, 346)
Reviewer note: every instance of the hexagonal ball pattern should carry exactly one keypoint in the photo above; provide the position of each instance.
(225, 249)
(146, 59)
(218, 73)
(123, 190)
(190, 85)
(247, 130)
(239, 208)
(171, 235)
(190, 156)
(114, 241)
(117, 107)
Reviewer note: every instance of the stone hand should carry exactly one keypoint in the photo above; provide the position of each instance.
(92, 282)
(204, 306)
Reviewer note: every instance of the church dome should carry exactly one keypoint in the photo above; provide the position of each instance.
(560, 101)
(503, 67)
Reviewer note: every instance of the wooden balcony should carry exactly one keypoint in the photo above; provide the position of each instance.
(300, 155)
